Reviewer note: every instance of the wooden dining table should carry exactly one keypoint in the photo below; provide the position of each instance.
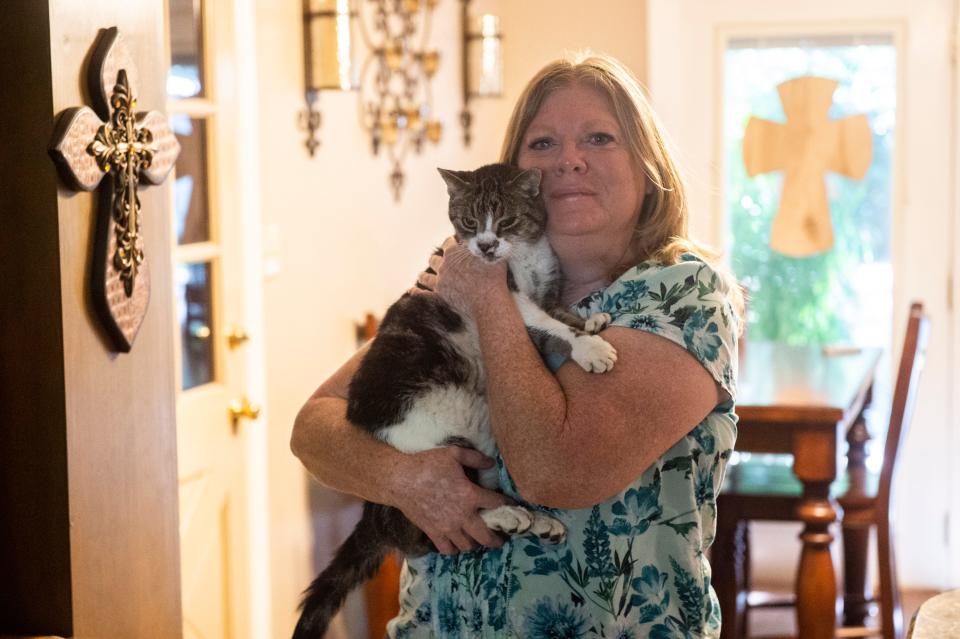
(806, 401)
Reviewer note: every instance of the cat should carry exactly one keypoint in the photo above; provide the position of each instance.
(421, 384)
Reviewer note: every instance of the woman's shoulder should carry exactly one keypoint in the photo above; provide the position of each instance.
(656, 282)
(689, 266)
(686, 302)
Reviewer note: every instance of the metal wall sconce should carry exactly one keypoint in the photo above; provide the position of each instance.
(482, 59)
(395, 98)
(328, 57)
(395, 102)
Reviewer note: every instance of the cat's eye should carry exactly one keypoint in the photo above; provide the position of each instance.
(469, 223)
(507, 223)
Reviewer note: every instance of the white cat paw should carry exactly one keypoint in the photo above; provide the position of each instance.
(593, 353)
(511, 520)
(597, 322)
(547, 528)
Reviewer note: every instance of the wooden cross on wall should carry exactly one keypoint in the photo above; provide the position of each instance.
(117, 142)
(806, 146)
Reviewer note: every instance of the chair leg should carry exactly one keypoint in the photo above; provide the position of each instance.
(855, 597)
(729, 574)
(891, 615)
(743, 577)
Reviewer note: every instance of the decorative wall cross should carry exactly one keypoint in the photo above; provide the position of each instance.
(117, 142)
(806, 146)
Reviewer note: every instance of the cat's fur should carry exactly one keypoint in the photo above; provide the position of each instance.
(421, 385)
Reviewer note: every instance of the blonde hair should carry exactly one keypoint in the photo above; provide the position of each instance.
(661, 233)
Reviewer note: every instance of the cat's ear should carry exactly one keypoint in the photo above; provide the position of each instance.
(456, 180)
(528, 182)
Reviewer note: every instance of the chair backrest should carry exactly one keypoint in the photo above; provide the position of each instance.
(904, 396)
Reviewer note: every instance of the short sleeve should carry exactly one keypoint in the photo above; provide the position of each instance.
(686, 303)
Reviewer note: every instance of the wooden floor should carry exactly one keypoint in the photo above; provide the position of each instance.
(781, 623)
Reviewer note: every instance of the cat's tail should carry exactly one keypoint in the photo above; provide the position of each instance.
(357, 560)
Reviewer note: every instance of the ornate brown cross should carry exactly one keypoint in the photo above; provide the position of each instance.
(117, 142)
(803, 148)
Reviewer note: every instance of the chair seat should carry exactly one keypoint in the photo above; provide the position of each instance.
(773, 475)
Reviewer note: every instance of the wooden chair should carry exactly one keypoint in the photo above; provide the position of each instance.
(736, 507)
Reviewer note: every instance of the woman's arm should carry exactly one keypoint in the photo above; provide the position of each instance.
(430, 487)
(574, 439)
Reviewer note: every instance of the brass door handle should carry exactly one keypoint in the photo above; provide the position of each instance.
(236, 336)
(243, 408)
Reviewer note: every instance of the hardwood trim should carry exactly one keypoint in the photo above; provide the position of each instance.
(88, 519)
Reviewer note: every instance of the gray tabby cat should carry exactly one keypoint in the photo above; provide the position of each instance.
(421, 384)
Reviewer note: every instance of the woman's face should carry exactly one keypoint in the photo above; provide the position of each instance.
(590, 185)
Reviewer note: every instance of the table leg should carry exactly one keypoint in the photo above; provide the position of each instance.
(856, 538)
(816, 580)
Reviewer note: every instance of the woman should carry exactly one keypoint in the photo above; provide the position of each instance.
(630, 460)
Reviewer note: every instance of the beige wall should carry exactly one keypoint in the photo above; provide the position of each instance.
(347, 247)
(538, 31)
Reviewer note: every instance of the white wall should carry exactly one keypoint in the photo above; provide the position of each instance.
(347, 248)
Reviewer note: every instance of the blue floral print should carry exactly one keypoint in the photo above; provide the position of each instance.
(700, 336)
(633, 566)
(549, 619)
(646, 322)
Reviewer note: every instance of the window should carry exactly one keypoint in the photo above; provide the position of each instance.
(196, 256)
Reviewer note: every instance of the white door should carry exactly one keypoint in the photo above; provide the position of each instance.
(222, 555)
(707, 59)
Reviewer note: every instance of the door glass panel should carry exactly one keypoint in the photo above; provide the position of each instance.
(186, 49)
(195, 314)
(844, 294)
(191, 214)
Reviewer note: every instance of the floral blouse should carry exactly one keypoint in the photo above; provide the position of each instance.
(634, 565)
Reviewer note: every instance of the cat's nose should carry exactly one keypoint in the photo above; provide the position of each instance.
(488, 247)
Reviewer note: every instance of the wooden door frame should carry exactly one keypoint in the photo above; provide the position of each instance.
(252, 275)
(952, 524)
(230, 37)
(88, 520)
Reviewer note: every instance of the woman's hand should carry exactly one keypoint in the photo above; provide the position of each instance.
(427, 280)
(459, 276)
(436, 495)
(462, 279)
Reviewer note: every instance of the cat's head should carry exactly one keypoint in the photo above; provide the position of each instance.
(496, 207)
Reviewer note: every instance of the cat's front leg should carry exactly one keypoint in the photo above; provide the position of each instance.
(593, 353)
(551, 336)
(597, 322)
(593, 324)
